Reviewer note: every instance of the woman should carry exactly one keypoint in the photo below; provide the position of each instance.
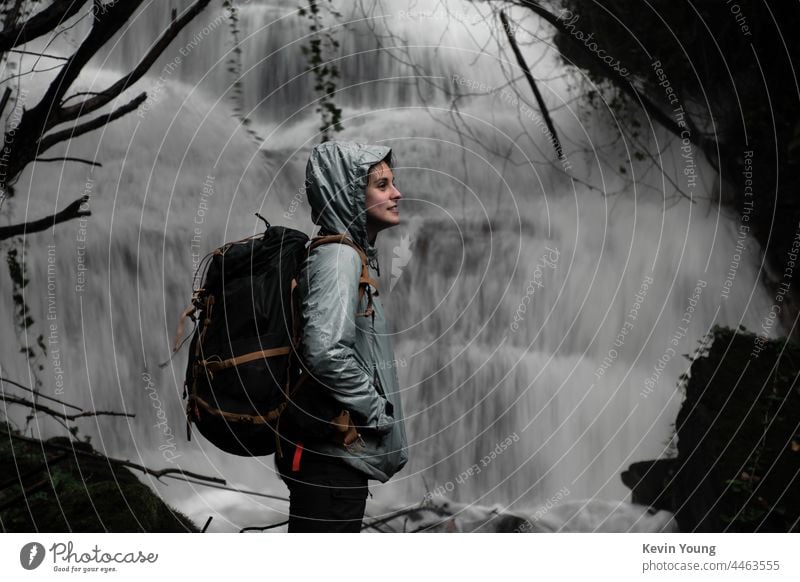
(350, 357)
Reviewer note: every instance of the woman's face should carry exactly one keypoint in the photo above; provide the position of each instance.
(381, 200)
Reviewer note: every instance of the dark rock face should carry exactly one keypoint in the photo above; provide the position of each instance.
(738, 462)
(51, 490)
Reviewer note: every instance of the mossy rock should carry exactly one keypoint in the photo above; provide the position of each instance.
(737, 467)
(70, 492)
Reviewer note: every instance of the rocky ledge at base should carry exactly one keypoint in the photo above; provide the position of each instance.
(48, 489)
(737, 467)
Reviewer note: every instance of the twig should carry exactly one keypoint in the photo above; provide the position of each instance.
(22, 52)
(407, 511)
(70, 212)
(264, 528)
(55, 413)
(524, 66)
(233, 489)
(39, 24)
(18, 385)
(69, 159)
(158, 474)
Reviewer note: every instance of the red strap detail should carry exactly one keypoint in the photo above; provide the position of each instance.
(296, 459)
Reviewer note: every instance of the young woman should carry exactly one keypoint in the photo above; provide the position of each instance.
(346, 348)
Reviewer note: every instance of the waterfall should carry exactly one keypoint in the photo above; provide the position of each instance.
(539, 325)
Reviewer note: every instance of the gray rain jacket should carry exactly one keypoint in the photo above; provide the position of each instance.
(350, 357)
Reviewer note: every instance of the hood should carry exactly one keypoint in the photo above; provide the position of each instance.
(336, 178)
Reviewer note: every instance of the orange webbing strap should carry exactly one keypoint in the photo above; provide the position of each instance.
(364, 280)
(215, 366)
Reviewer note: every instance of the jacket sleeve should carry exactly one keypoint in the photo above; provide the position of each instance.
(329, 330)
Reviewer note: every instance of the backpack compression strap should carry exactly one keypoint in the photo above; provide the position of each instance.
(365, 281)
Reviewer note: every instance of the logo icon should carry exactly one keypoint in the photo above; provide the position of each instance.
(402, 254)
(31, 555)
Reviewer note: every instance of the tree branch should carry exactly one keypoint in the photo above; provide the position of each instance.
(70, 212)
(524, 66)
(40, 23)
(69, 159)
(50, 140)
(4, 99)
(107, 95)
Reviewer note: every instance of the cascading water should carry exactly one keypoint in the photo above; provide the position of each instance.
(539, 325)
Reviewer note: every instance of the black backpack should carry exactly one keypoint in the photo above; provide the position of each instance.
(244, 358)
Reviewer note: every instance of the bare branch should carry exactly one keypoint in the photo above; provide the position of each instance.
(22, 52)
(524, 66)
(70, 159)
(18, 385)
(70, 212)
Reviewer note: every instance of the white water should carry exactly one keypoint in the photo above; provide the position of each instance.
(478, 226)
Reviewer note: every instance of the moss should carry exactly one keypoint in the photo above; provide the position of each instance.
(72, 492)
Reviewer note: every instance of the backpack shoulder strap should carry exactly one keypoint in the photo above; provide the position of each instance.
(364, 281)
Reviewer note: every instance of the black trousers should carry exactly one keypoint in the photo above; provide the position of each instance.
(325, 494)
